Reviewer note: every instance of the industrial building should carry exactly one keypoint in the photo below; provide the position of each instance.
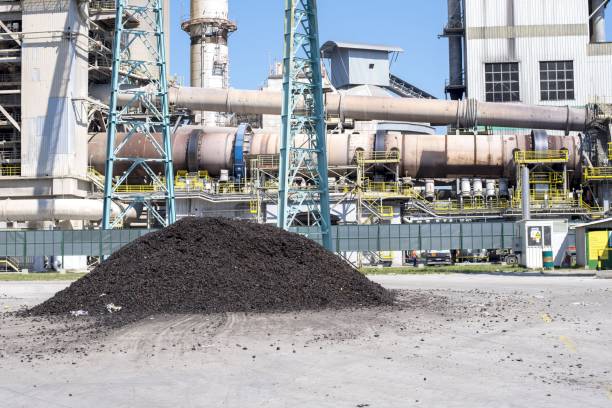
(528, 124)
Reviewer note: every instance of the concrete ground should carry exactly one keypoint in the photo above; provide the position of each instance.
(456, 341)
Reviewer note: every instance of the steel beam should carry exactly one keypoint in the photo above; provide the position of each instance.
(303, 161)
(142, 114)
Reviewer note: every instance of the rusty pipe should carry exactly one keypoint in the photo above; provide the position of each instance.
(435, 156)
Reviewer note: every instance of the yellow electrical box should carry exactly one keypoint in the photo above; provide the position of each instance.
(597, 243)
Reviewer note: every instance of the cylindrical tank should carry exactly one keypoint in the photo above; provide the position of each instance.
(548, 259)
(466, 187)
(477, 187)
(430, 189)
(490, 188)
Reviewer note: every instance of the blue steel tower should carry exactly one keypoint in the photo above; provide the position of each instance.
(303, 156)
(143, 112)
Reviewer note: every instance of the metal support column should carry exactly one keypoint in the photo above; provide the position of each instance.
(303, 156)
(141, 117)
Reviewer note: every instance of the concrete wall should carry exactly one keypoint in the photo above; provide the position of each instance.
(54, 84)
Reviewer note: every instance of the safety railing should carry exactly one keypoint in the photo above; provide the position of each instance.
(597, 173)
(550, 178)
(10, 170)
(267, 161)
(373, 157)
(542, 156)
(610, 151)
(7, 264)
(378, 189)
(140, 188)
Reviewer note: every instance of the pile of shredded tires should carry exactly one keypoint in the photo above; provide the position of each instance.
(212, 265)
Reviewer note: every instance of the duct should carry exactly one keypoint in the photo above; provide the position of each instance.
(422, 155)
(454, 31)
(55, 209)
(463, 114)
(598, 21)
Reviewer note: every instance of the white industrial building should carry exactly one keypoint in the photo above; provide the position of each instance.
(545, 52)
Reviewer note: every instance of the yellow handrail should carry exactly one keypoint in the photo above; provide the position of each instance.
(372, 157)
(597, 173)
(10, 170)
(542, 156)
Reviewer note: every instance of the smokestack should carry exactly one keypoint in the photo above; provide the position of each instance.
(455, 31)
(598, 21)
(209, 28)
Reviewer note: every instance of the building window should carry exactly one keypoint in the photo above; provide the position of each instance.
(557, 80)
(502, 82)
(371, 66)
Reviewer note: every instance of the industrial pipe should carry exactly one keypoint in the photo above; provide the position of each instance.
(56, 209)
(455, 31)
(598, 21)
(464, 114)
(422, 155)
(525, 193)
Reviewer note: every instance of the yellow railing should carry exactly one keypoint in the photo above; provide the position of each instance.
(385, 211)
(234, 188)
(455, 206)
(377, 188)
(609, 151)
(254, 207)
(543, 156)
(391, 156)
(8, 264)
(597, 173)
(10, 170)
(138, 188)
(550, 178)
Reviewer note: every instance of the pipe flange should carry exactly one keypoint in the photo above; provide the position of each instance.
(539, 140)
(194, 145)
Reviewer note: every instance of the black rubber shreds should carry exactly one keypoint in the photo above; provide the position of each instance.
(210, 265)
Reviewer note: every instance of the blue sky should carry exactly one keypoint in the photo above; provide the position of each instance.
(258, 40)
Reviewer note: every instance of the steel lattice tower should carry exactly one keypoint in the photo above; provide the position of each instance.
(146, 112)
(303, 156)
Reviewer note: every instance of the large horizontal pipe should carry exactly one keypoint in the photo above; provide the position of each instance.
(58, 209)
(422, 156)
(466, 113)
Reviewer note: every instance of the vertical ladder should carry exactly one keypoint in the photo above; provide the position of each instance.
(303, 154)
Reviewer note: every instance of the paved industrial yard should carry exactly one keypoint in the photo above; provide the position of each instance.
(457, 341)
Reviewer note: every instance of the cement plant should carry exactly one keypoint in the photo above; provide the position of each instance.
(339, 236)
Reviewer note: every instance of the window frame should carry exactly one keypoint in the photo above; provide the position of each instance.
(557, 82)
(502, 81)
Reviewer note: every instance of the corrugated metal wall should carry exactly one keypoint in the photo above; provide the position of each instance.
(528, 32)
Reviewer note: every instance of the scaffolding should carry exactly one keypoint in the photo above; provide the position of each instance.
(141, 116)
(303, 174)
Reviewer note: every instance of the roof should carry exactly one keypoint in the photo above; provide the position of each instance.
(330, 46)
(368, 90)
(590, 224)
